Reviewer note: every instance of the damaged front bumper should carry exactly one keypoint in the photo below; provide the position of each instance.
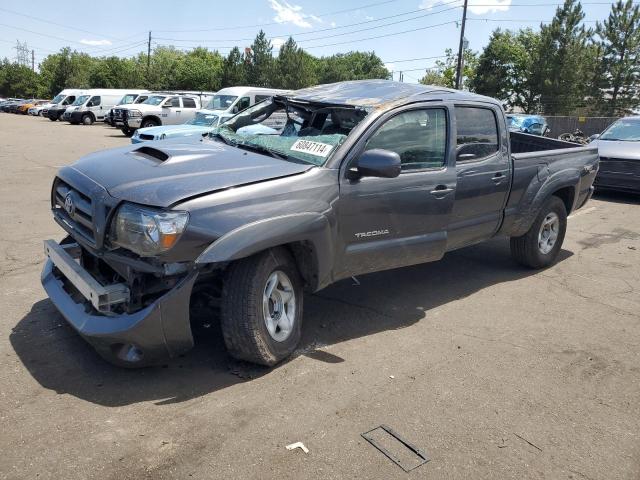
(145, 337)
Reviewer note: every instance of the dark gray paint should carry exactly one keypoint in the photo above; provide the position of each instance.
(241, 203)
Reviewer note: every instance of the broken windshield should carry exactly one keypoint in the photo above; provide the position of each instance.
(310, 133)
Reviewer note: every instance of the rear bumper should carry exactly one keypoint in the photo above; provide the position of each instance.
(624, 182)
(146, 337)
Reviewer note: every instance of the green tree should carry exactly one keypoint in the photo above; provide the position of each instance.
(619, 49)
(18, 80)
(350, 66)
(200, 69)
(563, 62)
(259, 62)
(505, 69)
(295, 68)
(163, 69)
(233, 71)
(444, 74)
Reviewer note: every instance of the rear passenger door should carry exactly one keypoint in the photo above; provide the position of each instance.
(189, 107)
(483, 171)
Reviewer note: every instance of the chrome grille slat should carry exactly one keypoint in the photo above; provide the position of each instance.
(82, 219)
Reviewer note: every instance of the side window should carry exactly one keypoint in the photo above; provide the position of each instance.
(188, 102)
(69, 100)
(95, 101)
(173, 102)
(244, 102)
(141, 99)
(418, 136)
(477, 135)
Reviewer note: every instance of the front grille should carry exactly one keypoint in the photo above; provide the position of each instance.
(118, 113)
(146, 136)
(619, 165)
(80, 215)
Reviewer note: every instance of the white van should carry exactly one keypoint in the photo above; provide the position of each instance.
(64, 98)
(229, 101)
(94, 104)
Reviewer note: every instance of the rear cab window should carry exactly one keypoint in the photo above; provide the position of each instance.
(477, 133)
(189, 102)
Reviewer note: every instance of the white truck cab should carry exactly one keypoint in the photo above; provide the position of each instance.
(131, 98)
(162, 108)
(94, 104)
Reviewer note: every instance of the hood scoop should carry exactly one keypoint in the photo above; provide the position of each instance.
(152, 153)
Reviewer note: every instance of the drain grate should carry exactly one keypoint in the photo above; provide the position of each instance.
(398, 450)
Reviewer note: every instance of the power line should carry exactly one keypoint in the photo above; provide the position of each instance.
(52, 23)
(259, 25)
(415, 59)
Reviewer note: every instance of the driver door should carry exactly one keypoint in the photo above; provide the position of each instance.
(392, 222)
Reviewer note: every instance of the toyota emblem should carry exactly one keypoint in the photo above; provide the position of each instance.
(69, 206)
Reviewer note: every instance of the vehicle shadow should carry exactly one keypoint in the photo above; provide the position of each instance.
(617, 197)
(61, 361)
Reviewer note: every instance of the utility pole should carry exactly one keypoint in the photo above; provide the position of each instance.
(461, 48)
(33, 60)
(148, 55)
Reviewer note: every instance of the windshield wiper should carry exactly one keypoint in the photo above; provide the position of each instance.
(260, 149)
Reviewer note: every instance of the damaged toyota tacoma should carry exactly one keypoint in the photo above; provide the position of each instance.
(289, 196)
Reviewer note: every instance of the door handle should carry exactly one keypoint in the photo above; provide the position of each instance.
(441, 191)
(498, 177)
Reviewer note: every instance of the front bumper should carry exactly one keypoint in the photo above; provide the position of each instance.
(133, 122)
(75, 117)
(620, 175)
(145, 337)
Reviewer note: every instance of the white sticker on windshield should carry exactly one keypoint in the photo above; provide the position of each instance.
(312, 148)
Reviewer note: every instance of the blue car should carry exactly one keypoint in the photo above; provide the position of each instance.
(531, 124)
(199, 125)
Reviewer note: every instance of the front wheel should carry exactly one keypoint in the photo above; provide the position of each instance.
(127, 132)
(539, 247)
(87, 119)
(262, 307)
(53, 119)
(149, 122)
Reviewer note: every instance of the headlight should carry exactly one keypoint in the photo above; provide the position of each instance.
(134, 113)
(146, 231)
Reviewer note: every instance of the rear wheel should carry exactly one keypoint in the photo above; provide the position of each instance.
(539, 247)
(262, 307)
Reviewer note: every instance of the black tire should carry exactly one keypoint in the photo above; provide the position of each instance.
(149, 122)
(53, 119)
(87, 119)
(525, 249)
(127, 132)
(242, 320)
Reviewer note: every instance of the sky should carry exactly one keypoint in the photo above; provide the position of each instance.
(409, 35)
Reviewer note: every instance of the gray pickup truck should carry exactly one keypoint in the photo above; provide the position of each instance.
(289, 196)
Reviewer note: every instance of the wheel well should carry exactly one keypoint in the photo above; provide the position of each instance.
(90, 114)
(306, 259)
(567, 195)
(151, 117)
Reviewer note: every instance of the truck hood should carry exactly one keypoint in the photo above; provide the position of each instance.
(174, 171)
(618, 149)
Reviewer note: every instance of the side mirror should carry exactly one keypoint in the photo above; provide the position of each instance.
(165, 105)
(378, 163)
(594, 137)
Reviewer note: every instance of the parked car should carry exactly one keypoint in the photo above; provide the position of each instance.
(8, 104)
(24, 108)
(161, 109)
(619, 148)
(55, 110)
(13, 106)
(129, 99)
(364, 176)
(222, 106)
(93, 105)
(532, 124)
(36, 107)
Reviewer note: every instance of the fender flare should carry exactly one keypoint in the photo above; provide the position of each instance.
(246, 240)
(535, 199)
(154, 117)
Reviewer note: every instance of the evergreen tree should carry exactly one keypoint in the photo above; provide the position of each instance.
(233, 72)
(259, 62)
(619, 45)
(295, 68)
